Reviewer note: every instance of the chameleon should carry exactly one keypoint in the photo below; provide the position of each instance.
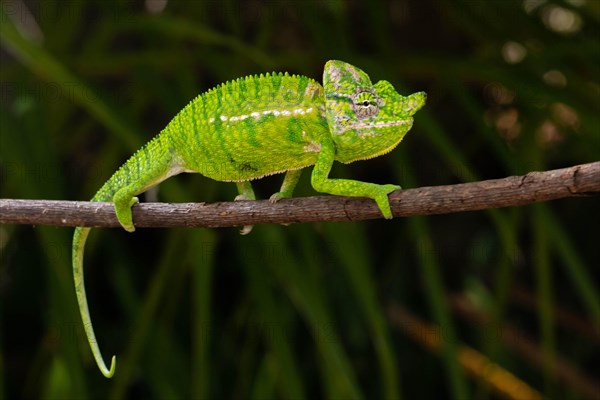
(260, 125)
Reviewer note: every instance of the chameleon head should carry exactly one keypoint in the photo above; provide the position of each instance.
(366, 120)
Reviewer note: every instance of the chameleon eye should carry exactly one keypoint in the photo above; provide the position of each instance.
(364, 104)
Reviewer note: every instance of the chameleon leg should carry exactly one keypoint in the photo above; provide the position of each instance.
(346, 187)
(124, 198)
(287, 187)
(245, 193)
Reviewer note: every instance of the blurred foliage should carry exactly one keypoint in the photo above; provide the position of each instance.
(304, 311)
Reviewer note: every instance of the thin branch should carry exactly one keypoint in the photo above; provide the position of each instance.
(579, 180)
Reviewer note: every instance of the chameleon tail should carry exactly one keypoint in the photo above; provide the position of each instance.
(79, 238)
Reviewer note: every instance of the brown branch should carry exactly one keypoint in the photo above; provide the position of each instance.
(579, 180)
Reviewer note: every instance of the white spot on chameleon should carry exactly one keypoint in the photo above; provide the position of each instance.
(256, 115)
(312, 147)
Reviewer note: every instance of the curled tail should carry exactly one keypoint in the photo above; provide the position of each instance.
(79, 238)
(150, 165)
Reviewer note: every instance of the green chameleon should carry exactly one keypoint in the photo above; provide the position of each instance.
(257, 126)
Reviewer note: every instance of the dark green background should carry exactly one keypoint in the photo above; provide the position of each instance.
(302, 311)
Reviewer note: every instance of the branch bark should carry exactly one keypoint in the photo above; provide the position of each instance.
(579, 180)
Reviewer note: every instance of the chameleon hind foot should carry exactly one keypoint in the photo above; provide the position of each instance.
(123, 206)
(246, 229)
(245, 193)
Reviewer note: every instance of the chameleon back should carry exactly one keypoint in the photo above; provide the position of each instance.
(251, 127)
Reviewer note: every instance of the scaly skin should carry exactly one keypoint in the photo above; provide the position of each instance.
(263, 125)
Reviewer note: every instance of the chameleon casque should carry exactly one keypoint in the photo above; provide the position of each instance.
(262, 125)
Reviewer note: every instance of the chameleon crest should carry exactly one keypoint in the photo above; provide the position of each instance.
(257, 126)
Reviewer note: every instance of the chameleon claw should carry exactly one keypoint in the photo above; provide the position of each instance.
(129, 228)
(246, 229)
(275, 197)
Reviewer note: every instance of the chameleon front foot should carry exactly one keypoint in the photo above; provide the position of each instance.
(382, 200)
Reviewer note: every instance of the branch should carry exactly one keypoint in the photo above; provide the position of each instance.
(579, 180)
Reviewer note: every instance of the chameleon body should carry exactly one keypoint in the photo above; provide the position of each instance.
(262, 125)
